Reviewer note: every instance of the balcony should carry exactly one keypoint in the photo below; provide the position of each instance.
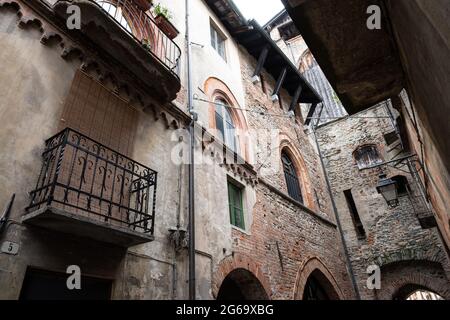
(122, 30)
(88, 190)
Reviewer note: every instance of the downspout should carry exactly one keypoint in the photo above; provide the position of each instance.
(192, 294)
(338, 221)
(5, 217)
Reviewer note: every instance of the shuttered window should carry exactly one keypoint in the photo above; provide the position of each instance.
(96, 112)
(235, 204)
(367, 156)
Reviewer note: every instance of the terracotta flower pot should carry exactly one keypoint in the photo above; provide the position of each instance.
(144, 5)
(166, 26)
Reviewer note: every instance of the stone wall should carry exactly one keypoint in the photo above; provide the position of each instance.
(422, 33)
(393, 235)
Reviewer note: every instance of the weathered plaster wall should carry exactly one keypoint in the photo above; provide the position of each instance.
(206, 61)
(33, 105)
(34, 86)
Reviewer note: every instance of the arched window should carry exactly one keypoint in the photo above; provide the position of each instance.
(116, 13)
(367, 156)
(225, 125)
(290, 175)
(306, 61)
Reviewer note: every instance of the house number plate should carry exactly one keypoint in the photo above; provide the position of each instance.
(10, 247)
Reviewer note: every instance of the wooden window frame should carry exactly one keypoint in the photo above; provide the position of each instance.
(357, 155)
(226, 124)
(233, 207)
(218, 41)
(291, 178)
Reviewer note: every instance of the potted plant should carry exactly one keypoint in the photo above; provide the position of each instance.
(144, 5)
(162, 19)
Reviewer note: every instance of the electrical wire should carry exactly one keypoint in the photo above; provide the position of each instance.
(262, 113)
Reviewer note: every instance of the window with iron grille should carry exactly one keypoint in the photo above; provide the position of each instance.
(218, 42)
(235, 202)
(225, 125)
(367, 156)
(291, 177)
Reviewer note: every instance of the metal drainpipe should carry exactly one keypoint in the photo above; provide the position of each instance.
(5, 218)
(192, 286)
(338, 221)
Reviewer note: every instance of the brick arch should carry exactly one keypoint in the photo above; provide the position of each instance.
(432, 255)
(329, 282)
(399, 279)
(215, 88)
(302, 170)
(235, 262)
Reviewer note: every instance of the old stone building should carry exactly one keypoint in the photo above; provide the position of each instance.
(108, 195)
(402, 238)
(399, 239)
(95, 162)
(365, 66)
(286, 35)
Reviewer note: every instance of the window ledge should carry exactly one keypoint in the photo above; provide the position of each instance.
(241, 230)
(298, 204)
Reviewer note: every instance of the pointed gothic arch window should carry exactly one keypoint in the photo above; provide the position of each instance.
(292, 181)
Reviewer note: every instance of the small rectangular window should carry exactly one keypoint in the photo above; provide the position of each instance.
(218, 42)
(359, 228)
(236, 205)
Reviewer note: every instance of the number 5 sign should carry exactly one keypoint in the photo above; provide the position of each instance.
(10, 247)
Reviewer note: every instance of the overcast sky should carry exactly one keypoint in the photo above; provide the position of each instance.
(260, 10)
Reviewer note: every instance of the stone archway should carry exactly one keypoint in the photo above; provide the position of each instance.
(241, 284)
(400, 279)
(239, 268)
(315, 276)
(405, 292)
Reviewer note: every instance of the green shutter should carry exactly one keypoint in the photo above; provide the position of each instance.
(236, 206)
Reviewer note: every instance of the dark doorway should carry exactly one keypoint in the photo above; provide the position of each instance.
(314, 291)
(241, 284)
(45, 285)
(416, 292)
(318, 287)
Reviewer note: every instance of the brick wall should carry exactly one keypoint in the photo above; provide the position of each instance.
(285, 235)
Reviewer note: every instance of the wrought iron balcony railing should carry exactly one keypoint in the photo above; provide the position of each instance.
(93, 182)
(140, 25)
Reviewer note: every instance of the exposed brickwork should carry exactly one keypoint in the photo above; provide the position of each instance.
(285, 236)
(398, 277)
(393, 235)
(314, 265)
(239, 261)
(291, 135)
